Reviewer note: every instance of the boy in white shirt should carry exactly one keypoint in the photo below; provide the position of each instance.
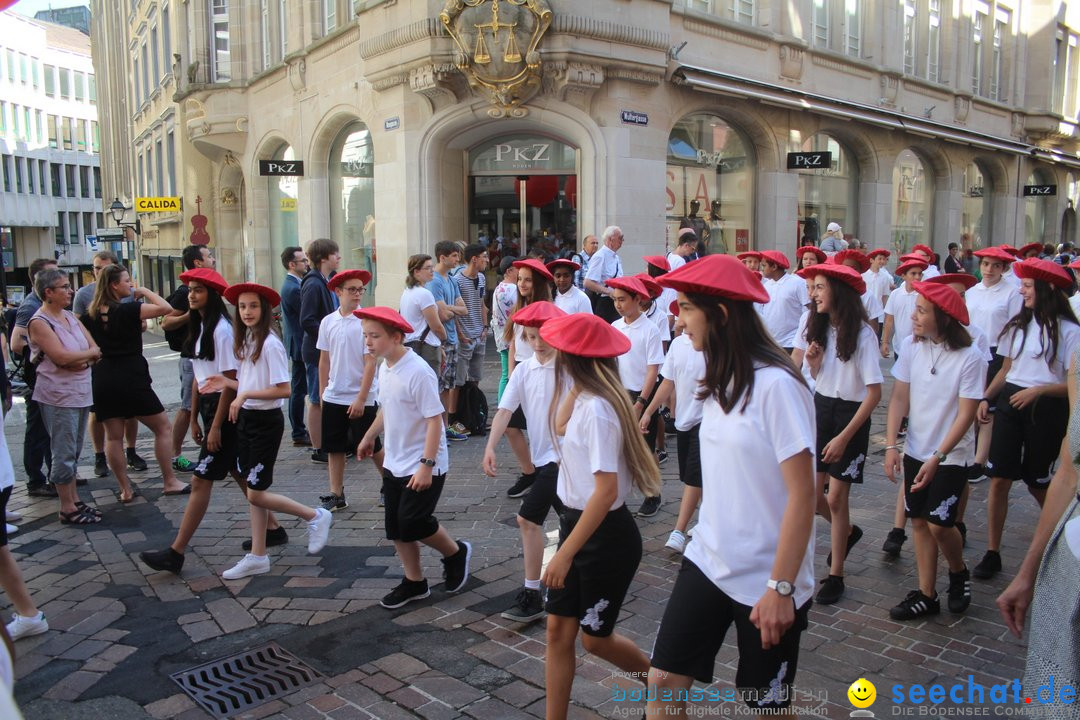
(901, 306)
(878, 279)
(346, 383)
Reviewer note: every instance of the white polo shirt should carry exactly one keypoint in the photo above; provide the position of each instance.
(675, 260)
(685, 367)
(224, 356)
(1011, 277)
(738, 532)
(931, 271)
(847, 380)
(593, 443)
(990, 307)
(522, 349)
(938, 377)
(271, 369)
(1030, 365)
(414, 301)
(880, 283)
(531, 387)
(645, 349)
(659, 317)
(343, 337)
(872, 302)
(573, 301)
(668, 296)
(901, 305)
(787, 301)
(408, 396)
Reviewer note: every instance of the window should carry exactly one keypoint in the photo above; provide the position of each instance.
(73, 227)
(352, 196)
(219, 31)
(50, 81)
(933, 41)
(283, 32)
(24, 69)
(80, 92)
(159, 167)
(742, 11)
(141, 179)
(43, 176)
(1002, 20)
(982, 11)
(97, 182)
(68, 134)
(135, 78)
(910, 39)
(151, 188)
(35, 73)
(5, 159)
(975, 215)
(69, 178)
(54, 169)
(59, 228)
(11, 65)
(264, 27)
(91, 84)
(3, 116)
(821, 23)
(330, 14)
(829, 194)
(166, 38)
(100, 218)
(18, 174)
(65, 83)
(15, 120)
(95, 137)
(31, 186)
(84, 181)
(87, 224)
(852, 27)
(27, 124)
(40, 126)
(145, 72)
(54, 132)
(912, 203)
(156, 77)
(1039, 210)
(170, 154)
(80, 132)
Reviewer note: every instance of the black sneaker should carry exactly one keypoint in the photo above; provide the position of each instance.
(134, 462)
(893, 542)
(989, 566)
(853, 537)
(319, 456)
(101, 465)
(914, 606)
(405, 593)
(333, 502)
(963, 533)
(167, 560)
(45, 490)
(456, 567)
(274, 537)
(661, 457)
(81, 482)
(959, 591)
(528, 606)
(832, 589)
(649, 507)
(524, 482)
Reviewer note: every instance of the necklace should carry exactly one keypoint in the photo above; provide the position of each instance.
(933, 360)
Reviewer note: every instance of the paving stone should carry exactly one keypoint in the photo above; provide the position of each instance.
(401, 666)
(171, 706)
(72, 686)
(230, 615)
(448, 690)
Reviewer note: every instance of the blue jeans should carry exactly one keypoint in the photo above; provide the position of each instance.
(36, 449)
(298, 387)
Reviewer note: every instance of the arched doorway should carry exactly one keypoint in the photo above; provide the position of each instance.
(829, 194)
(523, 194)
(352, 201)
(282, 193)
(1038, 210)
(912, 203)
(977, 208)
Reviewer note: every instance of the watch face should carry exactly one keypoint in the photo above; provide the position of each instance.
(784, 588)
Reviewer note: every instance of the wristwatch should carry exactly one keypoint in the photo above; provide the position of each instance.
(940, 456)
(782, 587)
(426, 461)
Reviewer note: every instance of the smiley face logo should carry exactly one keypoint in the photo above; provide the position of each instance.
(862, 693)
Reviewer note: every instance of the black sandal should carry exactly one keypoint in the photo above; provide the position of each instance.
(87, 509)
(79, 517)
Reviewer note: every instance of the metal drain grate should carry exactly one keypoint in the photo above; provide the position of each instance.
(237, 683)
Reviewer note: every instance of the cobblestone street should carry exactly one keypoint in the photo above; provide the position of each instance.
(119, 631)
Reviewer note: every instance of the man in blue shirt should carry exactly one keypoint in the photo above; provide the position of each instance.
(451, 307)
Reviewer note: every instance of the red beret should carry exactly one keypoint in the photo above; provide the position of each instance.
(879, 251)
(658, 261)
(387, 316)
(1009, 249)
(1075, 264)
(749, 254)
(630, 284)
(563, 262)
(945, 298)
(717, 275)
(210, 278)
(1028, 248)
(536, 314)
(910, 257)
(269, 294)
(846, 275)
(996, 253)
(536, 266)
(673, 308)
(818, 253)
(923, 248)
(586, 335)
(910, 265)
(650, 284)
(1049, 272)
(968, 281)
(861, 260)
(776, 257)
(362, 275)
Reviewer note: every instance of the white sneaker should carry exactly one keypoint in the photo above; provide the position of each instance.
(21, 627)
(319, 530)
(11, 529)
(13, 516)
(249, 565)
(676, 541)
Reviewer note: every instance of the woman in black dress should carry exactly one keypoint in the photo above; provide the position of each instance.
(121, 379)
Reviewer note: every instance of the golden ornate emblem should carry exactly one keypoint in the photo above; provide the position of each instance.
(490, 36)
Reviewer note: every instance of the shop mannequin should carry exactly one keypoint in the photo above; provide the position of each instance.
(716, 230)
(698, 224)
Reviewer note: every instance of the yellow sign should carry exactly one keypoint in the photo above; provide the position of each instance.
(288, 204)
(157, 204)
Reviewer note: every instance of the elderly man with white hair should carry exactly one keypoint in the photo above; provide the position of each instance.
(603, 266)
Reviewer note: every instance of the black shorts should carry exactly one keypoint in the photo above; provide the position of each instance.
(340, 433)
(697, 618)
(216, 466)
(833, 415)
(940, 502)
(654, 423)
(517, 419)
(1025, 443)
(992, 371)
(410, 515)
(542, 495)
(258, 435)
(689, 456)
(600, 573)
(5, 495)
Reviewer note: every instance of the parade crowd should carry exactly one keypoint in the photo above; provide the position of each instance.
(765, 368)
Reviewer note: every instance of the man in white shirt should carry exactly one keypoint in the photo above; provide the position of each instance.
(787, 298)
(684, 248)
(604, 266)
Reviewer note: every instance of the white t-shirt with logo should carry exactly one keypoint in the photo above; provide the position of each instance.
(787, 301)
(645, 349)
(593, 443)
(738, 532)
(685, 367)
(272, 368)
(532, 387)
(847, 380)
(1030, 365)
(343, 337)
(991, 307)
(938, 377)
(414, 301)
(573, 301)
(901, 305)
(224, 356)
(408, 397)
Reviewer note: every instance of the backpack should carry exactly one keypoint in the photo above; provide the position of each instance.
(176, 337)
(472, 411)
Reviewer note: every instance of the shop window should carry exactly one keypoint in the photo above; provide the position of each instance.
(282, 193)
(829, 194)
(912, 203)
(1038, 209)
(352, 200)
(976, 214)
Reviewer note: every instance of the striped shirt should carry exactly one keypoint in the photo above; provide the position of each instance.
(472, 292)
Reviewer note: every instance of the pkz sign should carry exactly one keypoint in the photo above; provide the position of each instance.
(809, 160)
(1039, 190)
(287, 168)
